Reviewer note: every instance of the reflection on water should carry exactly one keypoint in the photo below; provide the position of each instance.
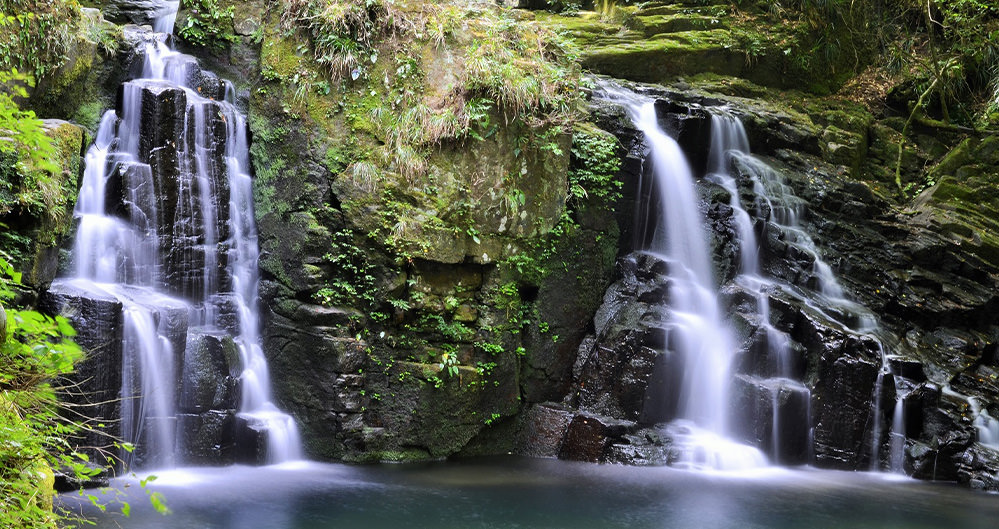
(528, 493)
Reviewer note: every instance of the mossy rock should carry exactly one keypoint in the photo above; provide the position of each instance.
(36, 231)
(663, 57)
(86, 84)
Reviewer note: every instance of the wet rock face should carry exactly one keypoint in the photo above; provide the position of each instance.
(209, 380)
(208, 438)
(134, 11)
(843, 407)
(618, 366)
(928, 273)
(472, 260)
(544, 430)
(320, 374)
(759, 404)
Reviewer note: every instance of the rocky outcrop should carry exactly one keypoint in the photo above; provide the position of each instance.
(37, 207)
(135, 11)
(658, 41)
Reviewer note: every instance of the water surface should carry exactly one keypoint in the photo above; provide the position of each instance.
(512, 492)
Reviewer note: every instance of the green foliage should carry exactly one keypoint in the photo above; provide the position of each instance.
(595, 164)
(343, 32)
(26, 153)
(34, 351)
(449, 362)
(208, 24)
(971, 38)
(35, 35)
(519, 66)
(449, 331)
(951, 47)
(21, 127)
(354, 280)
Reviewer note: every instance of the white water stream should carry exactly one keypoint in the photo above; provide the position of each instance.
(698, 330)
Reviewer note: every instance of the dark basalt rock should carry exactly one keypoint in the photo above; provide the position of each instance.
(758, 403)
(96, 382)
(589, 436)
(615, 369)
(251, 440)
(130, 195)
(134, 11)
(545, 429)
(644, 447)
(977, 468)
(842, 404)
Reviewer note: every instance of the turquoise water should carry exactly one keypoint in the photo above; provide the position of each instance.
(512, 492)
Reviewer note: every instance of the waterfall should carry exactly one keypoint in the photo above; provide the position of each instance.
(776, 202)
(986, 425)
(697, 330)
(730, 145)
(166, 226)
(762, 399)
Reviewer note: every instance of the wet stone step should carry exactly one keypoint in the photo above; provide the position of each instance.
(207, 438)
(97, 318)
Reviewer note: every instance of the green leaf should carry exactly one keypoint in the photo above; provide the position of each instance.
(158, 502)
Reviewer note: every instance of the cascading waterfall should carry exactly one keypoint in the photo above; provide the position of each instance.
(728, 142)
(776, 200)
(166, 226)
(696, 330)
(987, 425)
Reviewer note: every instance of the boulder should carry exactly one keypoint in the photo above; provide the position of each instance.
(135, 11)
(589, 436)
(251, 439)
(545, 428)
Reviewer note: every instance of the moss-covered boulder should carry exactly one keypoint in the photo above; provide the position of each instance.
(660, 41)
